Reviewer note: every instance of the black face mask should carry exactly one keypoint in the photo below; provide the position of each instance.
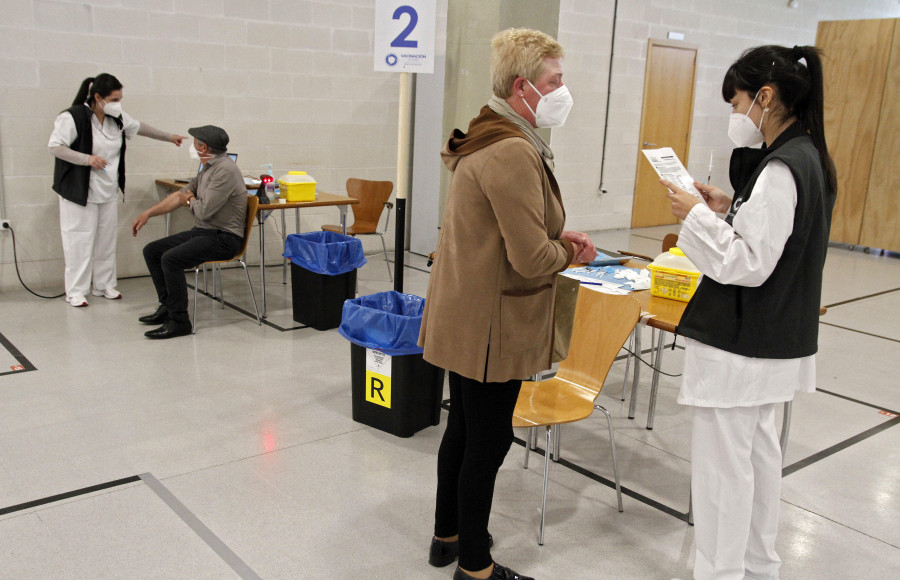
(744, 161)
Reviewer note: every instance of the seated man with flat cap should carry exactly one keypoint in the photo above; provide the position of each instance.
(217, 198)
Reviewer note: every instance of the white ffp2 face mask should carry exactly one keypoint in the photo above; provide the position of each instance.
(112, 109)
(742, 131)
(195, 155)
(552, 109)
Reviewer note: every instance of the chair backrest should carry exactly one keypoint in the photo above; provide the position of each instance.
(372, 196)
(603, 322)
(670, 241)
(252, 206)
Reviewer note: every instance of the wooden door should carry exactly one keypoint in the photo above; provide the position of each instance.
(855, 58)
(881, 218)
(666, 115)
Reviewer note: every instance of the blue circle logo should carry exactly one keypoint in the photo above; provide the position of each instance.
(391, 59)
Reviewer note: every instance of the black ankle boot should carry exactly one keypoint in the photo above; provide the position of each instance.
(499, 573)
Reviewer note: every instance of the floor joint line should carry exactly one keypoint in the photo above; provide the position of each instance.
(199, 528)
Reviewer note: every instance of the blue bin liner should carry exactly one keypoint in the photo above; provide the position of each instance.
(327, 253)
(386, 321)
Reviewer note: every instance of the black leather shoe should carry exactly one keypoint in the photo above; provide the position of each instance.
(170, 329)
(443, 553)
(499, 573)
(159, 317)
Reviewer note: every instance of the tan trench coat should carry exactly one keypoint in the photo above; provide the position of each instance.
(489, 307)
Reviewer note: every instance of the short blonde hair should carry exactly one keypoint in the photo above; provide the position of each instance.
(519, 52)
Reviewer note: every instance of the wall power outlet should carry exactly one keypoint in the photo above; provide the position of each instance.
(5, 225)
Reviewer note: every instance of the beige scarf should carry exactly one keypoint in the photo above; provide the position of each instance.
(503, 109)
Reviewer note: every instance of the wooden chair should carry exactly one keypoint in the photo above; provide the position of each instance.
(373, 199)
(602, 323)
(252, 206)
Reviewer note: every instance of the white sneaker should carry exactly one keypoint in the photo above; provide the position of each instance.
(110, 293)
(76, 300)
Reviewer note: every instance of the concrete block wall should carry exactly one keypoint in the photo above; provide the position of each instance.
(292, 83)
(722, 29)
(290, 80)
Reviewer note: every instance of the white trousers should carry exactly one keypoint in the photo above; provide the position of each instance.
(89, 245)
(736, 491)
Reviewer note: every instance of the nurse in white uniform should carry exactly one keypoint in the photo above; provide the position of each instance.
(88, 141)
(751, 328)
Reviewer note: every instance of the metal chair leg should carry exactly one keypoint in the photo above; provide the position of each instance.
(218, 268)
(546, 482)
(528, 444)
(253, 296)
(386, 261)
(691, 508)
(196, 280)
(556, 439)
(612, 446)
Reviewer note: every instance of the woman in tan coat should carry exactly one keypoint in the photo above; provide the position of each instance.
(488, 314)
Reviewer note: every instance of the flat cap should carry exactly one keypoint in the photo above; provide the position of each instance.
(215, 137)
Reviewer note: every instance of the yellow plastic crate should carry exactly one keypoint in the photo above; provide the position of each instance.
(672, 283)
(297, 186)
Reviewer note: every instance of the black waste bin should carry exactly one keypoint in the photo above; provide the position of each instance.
(393, 388)
(323, 275)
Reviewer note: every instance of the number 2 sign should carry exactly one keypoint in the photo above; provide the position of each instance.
(404, 35)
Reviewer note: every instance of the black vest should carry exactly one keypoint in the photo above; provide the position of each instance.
(780, 318)
(72, 181)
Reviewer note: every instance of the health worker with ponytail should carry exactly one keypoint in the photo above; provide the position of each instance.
(751, 329)
(88, 141)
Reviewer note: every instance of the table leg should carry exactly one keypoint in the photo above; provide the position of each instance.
(654, 385)
(627, 365)
(168, 224)
(637, 371)
(262, 263)
(283, 260)
(343, 210)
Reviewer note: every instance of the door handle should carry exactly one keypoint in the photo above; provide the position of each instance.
(649, 144)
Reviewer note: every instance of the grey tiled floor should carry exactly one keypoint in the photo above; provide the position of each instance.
(250, 428)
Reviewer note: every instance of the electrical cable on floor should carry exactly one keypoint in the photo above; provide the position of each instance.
(648, 364)
(16, 262)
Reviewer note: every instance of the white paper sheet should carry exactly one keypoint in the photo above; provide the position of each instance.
(669, 167)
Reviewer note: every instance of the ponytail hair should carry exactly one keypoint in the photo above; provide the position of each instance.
(103, 83)
(800, 89)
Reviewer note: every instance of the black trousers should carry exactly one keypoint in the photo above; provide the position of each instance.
(167, 259)
(478, 436)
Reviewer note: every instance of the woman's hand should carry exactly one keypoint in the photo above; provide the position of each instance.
(97, 162)
(584, 247)
(177, 139)
(682, 201)
(716, 199)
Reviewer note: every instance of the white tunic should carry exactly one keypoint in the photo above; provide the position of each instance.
(103, 186)
(746, 255)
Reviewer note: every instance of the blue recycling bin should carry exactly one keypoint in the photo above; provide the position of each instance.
(323, 275)
(393, 388)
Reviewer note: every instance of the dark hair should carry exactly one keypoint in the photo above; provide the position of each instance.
(800, 89)
(104, 84)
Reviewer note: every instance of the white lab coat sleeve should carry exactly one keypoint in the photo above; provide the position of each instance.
(747, 253)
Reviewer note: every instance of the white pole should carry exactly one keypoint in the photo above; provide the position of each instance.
(402, 180)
